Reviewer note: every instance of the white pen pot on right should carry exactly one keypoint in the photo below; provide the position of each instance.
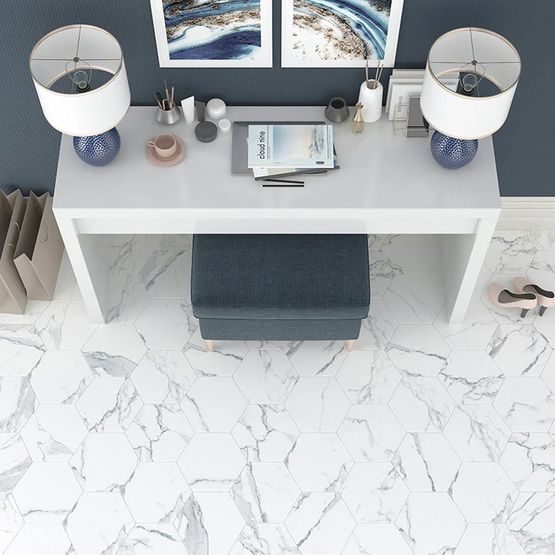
(370, 96)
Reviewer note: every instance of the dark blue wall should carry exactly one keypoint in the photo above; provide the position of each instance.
(525, 146)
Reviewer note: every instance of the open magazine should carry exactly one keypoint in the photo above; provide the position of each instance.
(294, 146)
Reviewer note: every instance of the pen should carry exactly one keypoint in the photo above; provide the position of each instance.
(283, 185)
(269, 180)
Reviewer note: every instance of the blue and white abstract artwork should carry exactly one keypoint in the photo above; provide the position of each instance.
(339, 33)
(213, 33)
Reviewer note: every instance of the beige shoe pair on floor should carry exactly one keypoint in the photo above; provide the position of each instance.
(528, 295)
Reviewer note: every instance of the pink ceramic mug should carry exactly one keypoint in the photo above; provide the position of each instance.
(165, 145)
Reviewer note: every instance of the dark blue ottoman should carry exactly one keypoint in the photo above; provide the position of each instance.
(280, 287)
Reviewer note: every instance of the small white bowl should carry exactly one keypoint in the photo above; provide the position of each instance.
(224, 125)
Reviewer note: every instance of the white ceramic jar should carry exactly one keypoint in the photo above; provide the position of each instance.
(371, 100)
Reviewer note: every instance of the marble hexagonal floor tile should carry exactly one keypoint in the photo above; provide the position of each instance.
(47, 492)
(61, 377)
(488, 538)
(21, 349)
(418, 350)
(99, 523)
(209, 523)
(14, 461)
(265, 492)
(511, 252)
(376, 539)
(371, 433)
(317, 358)
(53, 433)
(319, 462)
(377, 329)
(17, 403)
(267, 538)
(382, 272)
(166, 324)
(411, 254)
(213, 404)
(374, 492)
(266, 377)
(548, 374)
(114, 350)
(422, 404)
(109, 404)
(477, 433)
(222, 361)
(159, 433)
(46, 539)
(128, 254)
(368, 377)
(156, 492)
(431, 523)
(90, 467)
(163, 377)
(427, 462)
(317, 404)
(483, 492)
(153, 538)
(320, 523)
(471, 377)
(532, 521)
(166, 275)
(542, 267)
(10, 521)
(65, 325)
(265, 433)
(413, 299)
(529, 460)
(474, 333)
(211, 462)
(546, 326)
(526, 404)
(519, 350)
(125, 299)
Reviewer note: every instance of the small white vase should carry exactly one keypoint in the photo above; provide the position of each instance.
(371, 100)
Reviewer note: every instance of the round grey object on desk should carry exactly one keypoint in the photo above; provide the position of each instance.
(337, 110)
(206, 131)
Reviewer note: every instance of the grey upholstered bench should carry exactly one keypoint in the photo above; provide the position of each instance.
(280, 287)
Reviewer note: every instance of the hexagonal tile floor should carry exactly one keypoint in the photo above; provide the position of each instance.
(425, 438)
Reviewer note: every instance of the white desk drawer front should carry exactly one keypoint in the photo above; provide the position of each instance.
(205, 224)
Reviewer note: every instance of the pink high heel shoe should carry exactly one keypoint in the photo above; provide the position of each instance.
(507, 299)
(545, 298)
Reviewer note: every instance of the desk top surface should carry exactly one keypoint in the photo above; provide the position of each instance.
(379, 170)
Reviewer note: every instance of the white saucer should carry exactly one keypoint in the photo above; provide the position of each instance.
(177, 157)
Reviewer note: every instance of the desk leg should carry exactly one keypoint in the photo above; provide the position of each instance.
(463, 257)
(76, 255)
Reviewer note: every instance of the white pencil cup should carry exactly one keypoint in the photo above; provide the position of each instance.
(371, 100)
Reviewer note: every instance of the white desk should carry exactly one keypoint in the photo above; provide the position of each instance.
(387, 184)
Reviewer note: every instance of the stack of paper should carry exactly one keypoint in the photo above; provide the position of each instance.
(290, 149)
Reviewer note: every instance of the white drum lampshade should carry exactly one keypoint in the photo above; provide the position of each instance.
(492, 63)
(80, 78)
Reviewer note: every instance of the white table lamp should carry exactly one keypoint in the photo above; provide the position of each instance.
(486, 67)
(81, 82)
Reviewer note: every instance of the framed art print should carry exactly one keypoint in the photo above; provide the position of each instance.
(339, 33)
(219, 33)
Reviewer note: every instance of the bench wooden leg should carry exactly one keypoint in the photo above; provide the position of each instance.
(209, 345)
(350, 344)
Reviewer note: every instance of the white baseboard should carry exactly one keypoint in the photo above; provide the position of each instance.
(527, 213)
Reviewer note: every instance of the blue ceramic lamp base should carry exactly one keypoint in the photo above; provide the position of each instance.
(98, 150)
(452, 153)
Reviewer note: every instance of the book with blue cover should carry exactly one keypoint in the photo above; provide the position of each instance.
(290, 146)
